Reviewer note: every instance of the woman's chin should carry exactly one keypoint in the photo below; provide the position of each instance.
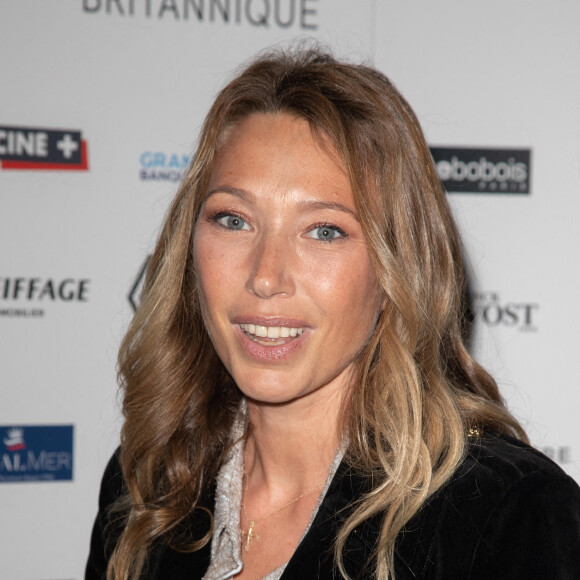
(271, 395)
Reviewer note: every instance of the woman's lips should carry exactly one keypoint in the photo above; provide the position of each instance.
(269, 341)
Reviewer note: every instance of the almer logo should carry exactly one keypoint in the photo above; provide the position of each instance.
(36, 453)
(29, 148)
(15, 440)
(504, 171)
(158, 166)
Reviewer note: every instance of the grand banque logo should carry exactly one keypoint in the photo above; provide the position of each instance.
(160, 166)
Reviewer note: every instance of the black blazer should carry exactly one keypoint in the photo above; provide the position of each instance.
(507, 513)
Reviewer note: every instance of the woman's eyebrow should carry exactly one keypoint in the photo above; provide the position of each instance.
(306, 205)
(238, 192)
(319, 204)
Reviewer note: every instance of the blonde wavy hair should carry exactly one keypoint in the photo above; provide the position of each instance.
(416, 391)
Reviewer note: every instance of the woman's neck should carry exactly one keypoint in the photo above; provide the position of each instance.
(291, 446)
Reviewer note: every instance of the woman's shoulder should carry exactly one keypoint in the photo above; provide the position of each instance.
(113, 483)
(104, 535)
(504, 477)
(508, 512)
(497, 463)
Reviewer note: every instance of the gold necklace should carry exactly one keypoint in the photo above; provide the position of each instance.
(251, 536)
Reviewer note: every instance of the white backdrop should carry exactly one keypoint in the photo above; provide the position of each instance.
(133, 79)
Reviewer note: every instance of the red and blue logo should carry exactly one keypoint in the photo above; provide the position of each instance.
(36, 453)
(33, 148)
(14, 439)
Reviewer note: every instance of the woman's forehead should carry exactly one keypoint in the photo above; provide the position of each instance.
(261, 137)
(278, 156)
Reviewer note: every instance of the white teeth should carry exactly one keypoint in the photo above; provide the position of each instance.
(271, 331)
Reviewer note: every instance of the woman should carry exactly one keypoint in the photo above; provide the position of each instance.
(298, 400)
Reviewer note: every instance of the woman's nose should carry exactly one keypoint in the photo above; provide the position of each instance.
(271, 265)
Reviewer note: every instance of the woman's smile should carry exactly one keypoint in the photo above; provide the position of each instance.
(271, 334)
(271, 343)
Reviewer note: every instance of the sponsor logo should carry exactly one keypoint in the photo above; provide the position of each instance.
(36, 453)
(483, 170)
(157, 166)
(492, 311)
(284, 14)
(23, 297)
(135, 292)
(47, 149)
(560, 454)
(14, 440)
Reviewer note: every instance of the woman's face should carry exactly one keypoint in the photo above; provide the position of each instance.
(287, 289)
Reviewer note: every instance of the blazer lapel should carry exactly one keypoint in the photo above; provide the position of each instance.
(314, 557)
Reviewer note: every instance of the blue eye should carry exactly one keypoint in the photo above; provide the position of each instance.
(231, 222)
(327, 233)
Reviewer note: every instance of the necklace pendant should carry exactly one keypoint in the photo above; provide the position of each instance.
(250, 536)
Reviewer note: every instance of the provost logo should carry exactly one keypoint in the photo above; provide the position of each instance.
(465, 170)
(494, 312)
(157, 166)
(48, 149)
(36, 453)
